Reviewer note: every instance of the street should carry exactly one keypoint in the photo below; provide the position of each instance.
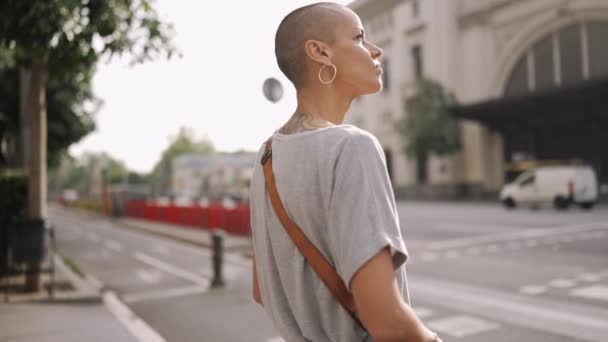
(477, 272)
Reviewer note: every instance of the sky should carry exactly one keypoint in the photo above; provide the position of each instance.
(215, 89)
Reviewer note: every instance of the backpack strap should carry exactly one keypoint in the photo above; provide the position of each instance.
(313, 256)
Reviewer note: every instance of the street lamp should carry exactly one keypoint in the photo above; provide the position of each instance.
(273, 90)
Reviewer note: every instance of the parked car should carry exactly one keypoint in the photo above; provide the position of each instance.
(561, 186)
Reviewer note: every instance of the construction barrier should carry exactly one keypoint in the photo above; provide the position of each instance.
(232, 220)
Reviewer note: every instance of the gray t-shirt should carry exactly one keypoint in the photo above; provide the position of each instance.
(334, 184)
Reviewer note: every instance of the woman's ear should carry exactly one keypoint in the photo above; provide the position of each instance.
(317, 51)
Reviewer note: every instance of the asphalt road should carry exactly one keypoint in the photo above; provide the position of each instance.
(476, 273)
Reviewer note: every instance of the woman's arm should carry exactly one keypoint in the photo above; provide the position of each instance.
(256, 287)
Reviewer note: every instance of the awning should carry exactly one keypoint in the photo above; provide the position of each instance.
(586, 101)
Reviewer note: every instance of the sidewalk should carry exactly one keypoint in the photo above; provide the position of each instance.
(75, 314)
(192, 235)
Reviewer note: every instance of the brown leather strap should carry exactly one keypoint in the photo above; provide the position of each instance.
(317, 261)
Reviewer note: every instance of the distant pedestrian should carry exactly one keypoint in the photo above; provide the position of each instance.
(332, 181)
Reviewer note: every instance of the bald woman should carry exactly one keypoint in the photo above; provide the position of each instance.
(333, 182)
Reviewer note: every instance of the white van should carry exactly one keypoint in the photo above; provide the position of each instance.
(557, 185)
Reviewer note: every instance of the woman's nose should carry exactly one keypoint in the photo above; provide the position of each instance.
(376, 51)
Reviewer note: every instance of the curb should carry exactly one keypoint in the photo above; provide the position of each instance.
(91, 289)
(241, 249)
(84, 289)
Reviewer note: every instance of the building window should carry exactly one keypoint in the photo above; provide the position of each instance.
(417, 60)
(386, 81)
(568, 56)
(544, 70)
(518, 83)
(415, 8)
(571, 56)
(598, 49)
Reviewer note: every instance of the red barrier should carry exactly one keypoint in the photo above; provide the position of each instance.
(234, 220)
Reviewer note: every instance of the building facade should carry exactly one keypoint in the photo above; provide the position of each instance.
(212, 178)
(527, 76)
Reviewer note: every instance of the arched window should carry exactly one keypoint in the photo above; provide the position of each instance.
(568, 56)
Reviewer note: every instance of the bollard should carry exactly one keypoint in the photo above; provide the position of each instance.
(218, 258)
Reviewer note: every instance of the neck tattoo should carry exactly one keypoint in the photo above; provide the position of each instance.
(302, 122)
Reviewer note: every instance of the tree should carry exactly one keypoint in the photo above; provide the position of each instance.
(183, 143)
(71, 36)
(428, 127)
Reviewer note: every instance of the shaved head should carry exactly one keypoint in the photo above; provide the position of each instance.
(317, 21)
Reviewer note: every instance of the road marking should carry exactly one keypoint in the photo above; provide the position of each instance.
(461, 325)
(590, 277)
(176, 271)
(562, 283)
(151, 276)
(530, 233)
(550, 240)
(592, 292)
(533, 289)
(473, 250)
(132, 322)
(426, 256)
(452, 254)
(514, 245)
(531, 243)
(571, 320)
(275, 339)
(114, 245)
(163, 294)
(493, 248)
(585, 236)
(162, 249)
(93, 237)
(423, 312)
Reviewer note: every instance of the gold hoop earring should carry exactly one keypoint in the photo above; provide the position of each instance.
(332, 79)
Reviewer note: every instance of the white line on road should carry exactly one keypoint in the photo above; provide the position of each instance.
(493, 248)
(581, 322)
(136, 326)
(461, 325)
(592, 292)
(114, 245)
(176, 271)
(150, 276)
(161, 249)
(590, 277)
(423, 312)
(163, 294)
(530, 233)
(473, 250)
(533, 289)
(452, 254)
(562, 283)
(275, 339)
(428, 256)
(93, 237)
(531, 243)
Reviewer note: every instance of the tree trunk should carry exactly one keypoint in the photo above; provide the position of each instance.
(422, 163)
(37, 187)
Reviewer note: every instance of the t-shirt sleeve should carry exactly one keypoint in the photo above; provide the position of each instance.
(362, 214)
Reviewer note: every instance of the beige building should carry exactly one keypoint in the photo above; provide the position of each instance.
(213, 177)
(509, 63)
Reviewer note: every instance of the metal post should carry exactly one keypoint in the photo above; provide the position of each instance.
(218, 258)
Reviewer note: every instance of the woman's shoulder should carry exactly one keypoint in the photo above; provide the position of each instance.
(353, 139)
